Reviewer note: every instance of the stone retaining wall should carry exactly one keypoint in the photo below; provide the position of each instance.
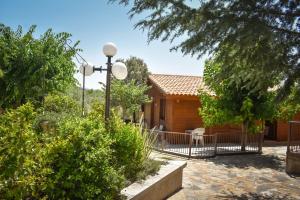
(293, 163)
(165, 183)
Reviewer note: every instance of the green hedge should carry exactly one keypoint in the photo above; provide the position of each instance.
(80, 159)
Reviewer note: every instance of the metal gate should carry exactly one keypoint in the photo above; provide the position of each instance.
(184, 144)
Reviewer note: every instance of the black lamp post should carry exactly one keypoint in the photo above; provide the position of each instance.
(118, 69)
(107, 90)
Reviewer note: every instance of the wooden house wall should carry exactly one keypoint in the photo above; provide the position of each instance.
(147, 115)
(283, 128)
(154, 107)
(181, 112)
(185, 114)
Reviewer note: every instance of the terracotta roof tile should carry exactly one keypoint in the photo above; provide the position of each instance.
(178, 84)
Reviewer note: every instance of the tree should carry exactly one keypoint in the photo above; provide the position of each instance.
(265, 33)
(90, 96)
(229, 102)
(288, 108)
(131, 93)
(137, 70)
(30, 68)
(234, 103)
(129, 96)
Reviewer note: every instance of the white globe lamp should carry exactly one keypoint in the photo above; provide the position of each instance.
(110, 49)
(86, 69)
(119, 70)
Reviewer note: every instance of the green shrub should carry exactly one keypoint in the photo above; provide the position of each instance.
(60, 103)
(55, 109)
(47, 121)
(97, 112)
(79, 160)
(149, 167)
(130, 147)
(77, 163)
(18, 158)
(73, 163)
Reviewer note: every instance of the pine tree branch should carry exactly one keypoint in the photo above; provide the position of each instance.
(284, 30)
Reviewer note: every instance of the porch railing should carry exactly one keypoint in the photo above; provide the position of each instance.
(185, 144)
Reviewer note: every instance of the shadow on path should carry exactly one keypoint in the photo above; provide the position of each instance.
(255, 196)
(258, 161)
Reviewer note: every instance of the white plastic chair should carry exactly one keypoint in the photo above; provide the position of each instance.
(161, 127)
(197, 134)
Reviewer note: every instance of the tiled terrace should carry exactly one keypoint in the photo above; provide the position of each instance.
(252, 176)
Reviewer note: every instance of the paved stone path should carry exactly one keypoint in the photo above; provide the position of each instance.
(238, 177)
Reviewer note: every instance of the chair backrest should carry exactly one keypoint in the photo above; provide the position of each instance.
(161, 127)
(198, 131)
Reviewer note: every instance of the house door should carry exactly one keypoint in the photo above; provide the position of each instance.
(272, 133)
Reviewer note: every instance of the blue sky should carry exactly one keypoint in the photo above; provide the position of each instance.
(95, 22)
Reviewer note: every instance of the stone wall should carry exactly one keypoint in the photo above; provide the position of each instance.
(293, 163)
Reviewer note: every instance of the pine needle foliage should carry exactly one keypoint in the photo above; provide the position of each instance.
(264, 33)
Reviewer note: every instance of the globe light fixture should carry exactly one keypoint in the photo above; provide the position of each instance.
(110, 49)
(118, 70)
(86, 69)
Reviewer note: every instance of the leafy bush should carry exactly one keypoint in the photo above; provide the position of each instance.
(90, 96)
(55, 108)
(32, 67)
(74, 163)
(60, 103)
(17, 152)
(128, 146)
(79, 160)
(131, 148)
(149, 167)
(78, 163)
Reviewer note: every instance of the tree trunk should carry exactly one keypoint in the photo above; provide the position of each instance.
(243, 136)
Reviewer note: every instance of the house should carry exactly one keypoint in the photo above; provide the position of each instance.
(175, 105)
(174, 102)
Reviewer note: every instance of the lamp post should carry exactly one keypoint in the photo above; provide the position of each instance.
(118, 70)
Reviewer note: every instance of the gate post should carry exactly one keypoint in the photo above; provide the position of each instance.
(260, 142)
(190, 145)
(215, 142)
(289, 137)
(163, 141)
